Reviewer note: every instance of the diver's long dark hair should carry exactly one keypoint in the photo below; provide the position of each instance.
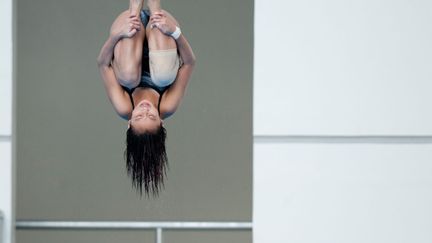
(146, 160)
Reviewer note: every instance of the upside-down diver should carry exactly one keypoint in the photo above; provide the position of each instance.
(146, 64)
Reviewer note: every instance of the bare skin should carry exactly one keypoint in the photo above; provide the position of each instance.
(121, 65)
(135, 7)
(128, 53)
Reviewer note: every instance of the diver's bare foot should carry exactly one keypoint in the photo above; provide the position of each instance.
(154, 6)
(135, 6)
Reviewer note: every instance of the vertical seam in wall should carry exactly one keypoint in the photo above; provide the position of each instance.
(13, 125)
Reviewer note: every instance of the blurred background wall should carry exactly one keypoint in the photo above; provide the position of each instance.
(70, 142)
(342, 121)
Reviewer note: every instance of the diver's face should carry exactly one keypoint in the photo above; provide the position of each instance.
(145, 118)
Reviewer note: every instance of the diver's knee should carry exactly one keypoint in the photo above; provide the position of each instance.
(130, 77)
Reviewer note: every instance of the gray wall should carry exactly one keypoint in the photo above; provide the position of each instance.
(70, 142)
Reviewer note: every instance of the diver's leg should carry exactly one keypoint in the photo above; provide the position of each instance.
(154, 6)
(135, 6)
(164, 61)
(156, 39)
(128, 51)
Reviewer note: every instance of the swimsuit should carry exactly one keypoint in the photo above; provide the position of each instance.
(144, 84)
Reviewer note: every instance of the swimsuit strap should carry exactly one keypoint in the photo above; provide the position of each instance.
(160, 99)
(132, 101)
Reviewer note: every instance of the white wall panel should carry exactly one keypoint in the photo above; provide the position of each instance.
(5, 119)
(343, 67)
(6, 67)
(6, 189)
(338, 193)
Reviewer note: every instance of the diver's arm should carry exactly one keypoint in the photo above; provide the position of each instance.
(177, 90)
(107, 52)
(117, 96)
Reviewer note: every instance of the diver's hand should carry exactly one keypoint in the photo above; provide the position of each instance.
(164, 24)
(128, 28)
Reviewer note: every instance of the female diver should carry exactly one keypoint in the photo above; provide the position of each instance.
(146, 64)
